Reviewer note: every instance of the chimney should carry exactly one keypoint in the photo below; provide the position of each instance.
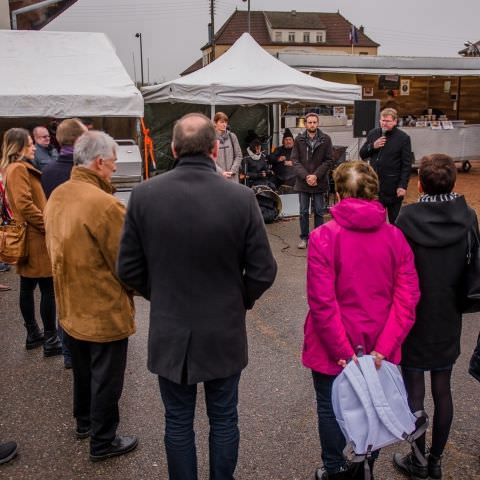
(294, 12)
(361, 29)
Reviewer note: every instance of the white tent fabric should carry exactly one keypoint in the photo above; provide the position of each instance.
(246, 74)
(63, 74)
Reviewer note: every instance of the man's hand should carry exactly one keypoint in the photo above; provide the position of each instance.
(227, 174)
(289, 163)
(379, 142)
(401, 192)
(311, 180)
(263, 173)
(343, 363)
(282, 158)
(378, 357)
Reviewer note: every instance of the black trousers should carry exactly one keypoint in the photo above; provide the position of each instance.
(393, 209)
(98, 373)
(47, 302)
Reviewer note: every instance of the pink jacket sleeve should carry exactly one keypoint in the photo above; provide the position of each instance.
(321, 295)
(405, 298)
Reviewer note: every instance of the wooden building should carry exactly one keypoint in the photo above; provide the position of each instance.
(449, 85)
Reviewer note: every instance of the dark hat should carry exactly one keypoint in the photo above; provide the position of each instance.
(255, 143)
(287, 133)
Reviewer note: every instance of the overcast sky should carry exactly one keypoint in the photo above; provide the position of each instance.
(174, 30)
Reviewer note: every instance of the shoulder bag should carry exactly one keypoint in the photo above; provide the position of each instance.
(13, 235)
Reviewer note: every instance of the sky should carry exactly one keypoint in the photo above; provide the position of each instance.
(173, 31)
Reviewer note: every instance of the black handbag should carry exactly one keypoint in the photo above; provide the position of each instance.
(471, 302)
(474, 369)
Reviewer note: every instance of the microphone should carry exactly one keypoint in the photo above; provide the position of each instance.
(384, 132)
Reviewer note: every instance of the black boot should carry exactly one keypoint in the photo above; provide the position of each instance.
(52, 345)
(8, 451)
(359, 473)
(346, 474)
(434, 467)
(35, 337)
(409, 465)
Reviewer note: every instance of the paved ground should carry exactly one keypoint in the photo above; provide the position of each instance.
(277, 416)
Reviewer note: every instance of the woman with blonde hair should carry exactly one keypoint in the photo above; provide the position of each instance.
(362, 289)
(27, 201)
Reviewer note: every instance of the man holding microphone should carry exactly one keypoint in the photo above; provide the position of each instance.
(389, 151)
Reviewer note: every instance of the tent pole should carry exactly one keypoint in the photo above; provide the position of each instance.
(212, 112)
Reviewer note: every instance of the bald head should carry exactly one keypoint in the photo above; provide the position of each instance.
(194, 134)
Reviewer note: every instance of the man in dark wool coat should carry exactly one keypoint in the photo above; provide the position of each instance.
(389, 152)
(202, 266)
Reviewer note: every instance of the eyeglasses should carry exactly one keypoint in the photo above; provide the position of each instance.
(43, 136)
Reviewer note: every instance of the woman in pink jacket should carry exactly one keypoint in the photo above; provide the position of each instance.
(362, 290)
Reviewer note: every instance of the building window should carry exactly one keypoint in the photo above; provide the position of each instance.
(306, 37)
(291, 36)
(320, 37)
(363, 53)
(278, 36)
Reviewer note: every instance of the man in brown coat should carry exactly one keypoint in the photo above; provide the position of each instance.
(83, 223)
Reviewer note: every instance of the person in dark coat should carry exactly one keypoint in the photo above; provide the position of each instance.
(312, 157)
(282, 165)
(436, 228)
(256, 166)
(202, 268)
(389, 151)
(45, 152)
(58, 172)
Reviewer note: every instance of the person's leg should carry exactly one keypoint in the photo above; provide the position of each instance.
(108, 362)
(67, 356)
(52, 345)
(415, 386)
(393, 210)
(80, 352)
(443, 410)
(27, 308)
(179, 403)
(221, 397)
(332, 439)
(318, 208)
(304, 201)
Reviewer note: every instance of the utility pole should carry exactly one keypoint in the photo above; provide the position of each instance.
(139, 35)
(212, 26)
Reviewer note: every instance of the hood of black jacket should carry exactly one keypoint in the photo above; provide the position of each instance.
(426, 222)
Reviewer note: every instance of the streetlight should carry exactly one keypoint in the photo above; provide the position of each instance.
(248, 14)
(139, 35)
(472, 49)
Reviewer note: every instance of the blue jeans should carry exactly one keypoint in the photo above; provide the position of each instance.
(317, 201)
(221, 397)
(332, 440)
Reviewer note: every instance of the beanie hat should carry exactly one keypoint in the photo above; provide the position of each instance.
(287, 133)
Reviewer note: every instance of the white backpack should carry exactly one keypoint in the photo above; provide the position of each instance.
(371, 408)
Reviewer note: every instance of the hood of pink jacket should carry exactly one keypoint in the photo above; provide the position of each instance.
(359, 214)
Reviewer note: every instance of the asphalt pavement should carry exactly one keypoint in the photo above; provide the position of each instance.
(279, 437)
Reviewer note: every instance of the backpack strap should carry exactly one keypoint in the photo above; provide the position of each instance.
(385, 413)
(379, 400)
(356, 380)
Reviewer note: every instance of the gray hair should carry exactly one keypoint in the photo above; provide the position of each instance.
(92, 145)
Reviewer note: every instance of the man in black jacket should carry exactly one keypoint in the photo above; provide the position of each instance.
(312, 157)
(58, 171)
(201, 266)
(389, 151)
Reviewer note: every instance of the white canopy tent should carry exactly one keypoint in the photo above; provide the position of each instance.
(64, 74)
(245, 75)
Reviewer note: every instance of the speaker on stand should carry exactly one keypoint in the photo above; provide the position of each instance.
(366, 117)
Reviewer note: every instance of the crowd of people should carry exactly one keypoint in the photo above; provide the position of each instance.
(385, 278)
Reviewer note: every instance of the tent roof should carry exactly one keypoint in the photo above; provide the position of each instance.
(246, 74)
(383, 65)
(63, 74)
